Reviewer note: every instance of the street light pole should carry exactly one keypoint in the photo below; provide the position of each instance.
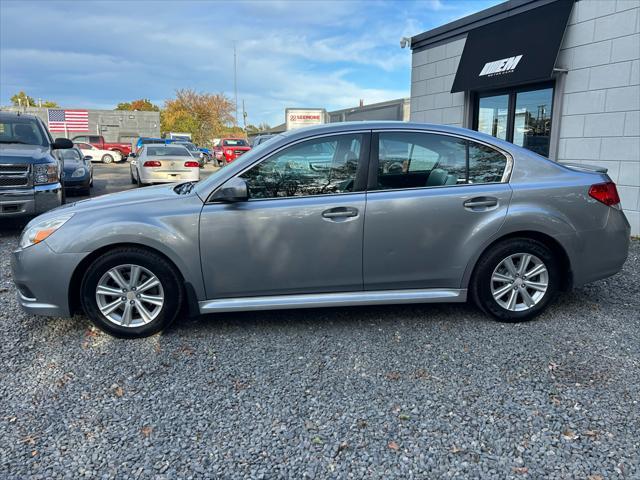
(235, 80)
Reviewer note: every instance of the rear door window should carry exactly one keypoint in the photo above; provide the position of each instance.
(422, 160)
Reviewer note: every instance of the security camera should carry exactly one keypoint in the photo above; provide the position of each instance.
(404, 41)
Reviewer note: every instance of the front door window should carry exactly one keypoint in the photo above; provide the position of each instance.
(321, 166)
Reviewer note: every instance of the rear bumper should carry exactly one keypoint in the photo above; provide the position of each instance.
(601, 253)
(32, 201)
(193, 175)
(42, 279)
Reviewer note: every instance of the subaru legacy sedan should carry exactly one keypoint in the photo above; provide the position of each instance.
(343, 214)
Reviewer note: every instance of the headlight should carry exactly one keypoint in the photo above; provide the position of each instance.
(79, 172)
(42, 230)
(45, 173)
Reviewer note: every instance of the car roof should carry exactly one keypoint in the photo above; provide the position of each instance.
(339, 127)
(5, 115)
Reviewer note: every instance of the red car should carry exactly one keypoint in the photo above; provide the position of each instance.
(98, 141)
(228, 149)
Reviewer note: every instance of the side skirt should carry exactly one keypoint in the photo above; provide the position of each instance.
(381, 297)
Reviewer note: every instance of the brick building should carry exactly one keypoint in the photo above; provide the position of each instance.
(114, 125)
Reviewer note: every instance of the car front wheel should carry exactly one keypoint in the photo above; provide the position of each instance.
(107, 158)
(516, 280)
(130, 292)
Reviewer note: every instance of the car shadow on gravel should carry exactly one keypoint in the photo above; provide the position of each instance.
(342, 317)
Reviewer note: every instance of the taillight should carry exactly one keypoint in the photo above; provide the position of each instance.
(191, 164)
(152, 163)
(606, 193)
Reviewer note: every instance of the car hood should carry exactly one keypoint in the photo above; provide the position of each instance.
(117, 200)
(17, 154)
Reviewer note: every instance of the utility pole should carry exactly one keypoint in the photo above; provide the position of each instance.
(235, 79)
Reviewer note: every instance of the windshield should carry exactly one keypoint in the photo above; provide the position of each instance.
(69, 154)
(167, 152)
(147, 141)
(189, 146)
(235, 142)
(22, 130)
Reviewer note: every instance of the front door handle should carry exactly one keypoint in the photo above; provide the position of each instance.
(340, 212)
(480, 203)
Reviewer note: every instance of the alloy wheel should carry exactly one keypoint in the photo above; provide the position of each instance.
(519, 282)
(129, 295)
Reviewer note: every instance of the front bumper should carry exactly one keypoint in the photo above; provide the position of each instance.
(42, 278)
(30, 201)
(77, 183)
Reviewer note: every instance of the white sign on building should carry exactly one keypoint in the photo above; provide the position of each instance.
(304, 117)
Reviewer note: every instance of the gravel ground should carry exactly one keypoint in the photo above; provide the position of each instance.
(433, 391)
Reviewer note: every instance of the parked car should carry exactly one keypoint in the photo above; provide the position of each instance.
(77, 171)
(258, 139)
(99, 155)
(29, 170)
(193, 150)
(228, 149)
(163, 164)
(149, 141)
(122, 148)
(467, 216)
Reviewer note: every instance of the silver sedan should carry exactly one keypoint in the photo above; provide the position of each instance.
(340, 214)
(163, 164)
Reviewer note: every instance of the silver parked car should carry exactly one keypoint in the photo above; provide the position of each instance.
(163, 164)
(341, 214)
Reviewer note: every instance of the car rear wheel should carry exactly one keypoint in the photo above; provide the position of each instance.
(106, 158)
(130, 292)
(516, 280)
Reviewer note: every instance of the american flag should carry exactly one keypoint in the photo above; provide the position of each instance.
(74, 120)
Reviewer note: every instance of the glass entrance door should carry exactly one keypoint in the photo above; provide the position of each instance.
(521, 116)
(492, 116)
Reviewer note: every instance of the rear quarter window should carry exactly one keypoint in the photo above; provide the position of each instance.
(486, 165)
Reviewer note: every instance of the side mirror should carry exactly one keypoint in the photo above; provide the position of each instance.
(235, 190)
(133, 162)
(62, 143)
(88, 157)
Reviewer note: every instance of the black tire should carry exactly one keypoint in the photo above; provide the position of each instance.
(480, 286)
(106, 158)
(133, 180)
(158, 265)
(63, 196)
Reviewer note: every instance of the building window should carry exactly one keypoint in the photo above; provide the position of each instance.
(521, 116)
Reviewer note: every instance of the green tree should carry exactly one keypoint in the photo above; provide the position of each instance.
(22, 99)
(203, 115)
(142, 105)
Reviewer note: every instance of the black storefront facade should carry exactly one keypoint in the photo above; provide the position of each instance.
(558, 77)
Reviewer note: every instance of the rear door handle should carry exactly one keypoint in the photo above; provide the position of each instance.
(340, 212)
(481, 203)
